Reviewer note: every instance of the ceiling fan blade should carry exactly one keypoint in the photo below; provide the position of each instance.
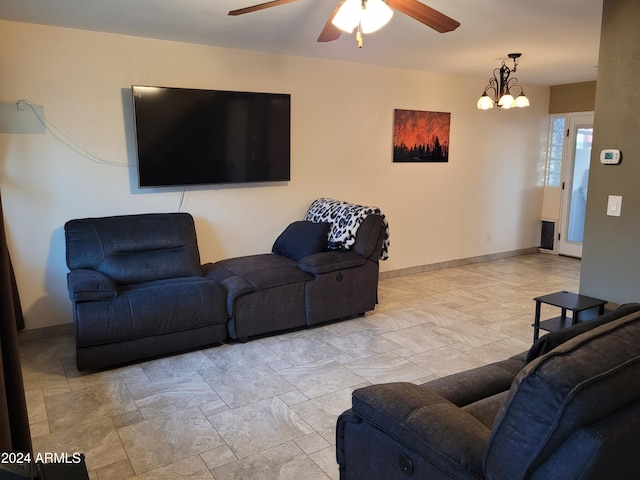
(330, 32)
(427, 15)
(262, 6)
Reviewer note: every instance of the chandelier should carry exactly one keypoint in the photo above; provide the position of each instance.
(366, 15)
(501, 86)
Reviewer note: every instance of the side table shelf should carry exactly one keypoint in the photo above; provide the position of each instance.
(555, 323)
(565, 301)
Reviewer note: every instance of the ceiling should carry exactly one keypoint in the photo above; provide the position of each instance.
(558, 39)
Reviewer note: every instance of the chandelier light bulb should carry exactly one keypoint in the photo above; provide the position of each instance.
(485, 102)
(506, 101)
(521, 101)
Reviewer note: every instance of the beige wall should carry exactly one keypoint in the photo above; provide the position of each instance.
(487, 199)
(611, 252)
(572, 97)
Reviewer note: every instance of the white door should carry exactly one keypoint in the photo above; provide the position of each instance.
(575, 181)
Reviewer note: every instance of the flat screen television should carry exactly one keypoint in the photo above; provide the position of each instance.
(199, 137)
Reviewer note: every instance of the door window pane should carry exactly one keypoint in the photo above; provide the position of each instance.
(556, 145)
(579, 185)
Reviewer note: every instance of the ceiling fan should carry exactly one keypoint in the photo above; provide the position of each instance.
(419, 11)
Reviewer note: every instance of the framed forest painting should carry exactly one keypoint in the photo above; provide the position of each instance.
(421, 136)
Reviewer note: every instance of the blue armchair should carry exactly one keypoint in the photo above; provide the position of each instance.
(567, 409)
(137, 289)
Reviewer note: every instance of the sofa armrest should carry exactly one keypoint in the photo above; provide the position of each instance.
(326, 262)
(87, 285)
(469, 386)
(548, 342)
(444, 434)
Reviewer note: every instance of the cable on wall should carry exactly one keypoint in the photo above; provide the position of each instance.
(66, 140)
(184, 190)
(63, 138)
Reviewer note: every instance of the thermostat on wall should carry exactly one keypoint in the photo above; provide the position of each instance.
(610, 156)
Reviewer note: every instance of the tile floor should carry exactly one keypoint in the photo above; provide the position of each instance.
(267, 409)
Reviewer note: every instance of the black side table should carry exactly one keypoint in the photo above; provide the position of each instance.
(566, 301)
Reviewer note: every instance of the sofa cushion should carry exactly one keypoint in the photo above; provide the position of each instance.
(243, 275)
(149, 309)
(345, 219)
(551, 340)
(486, 409)
(134, 248)
(560, 392)
(302, 238)
(371, 237)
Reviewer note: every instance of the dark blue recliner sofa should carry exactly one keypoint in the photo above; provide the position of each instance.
(568, 409)
(322, 268)
(138, 290)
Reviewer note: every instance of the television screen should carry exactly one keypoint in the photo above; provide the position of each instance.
(199, 137)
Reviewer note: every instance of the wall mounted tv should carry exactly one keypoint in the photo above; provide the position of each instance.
(199, 137)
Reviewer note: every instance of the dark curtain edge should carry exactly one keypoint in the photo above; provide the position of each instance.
(17, 307)
(14, 424)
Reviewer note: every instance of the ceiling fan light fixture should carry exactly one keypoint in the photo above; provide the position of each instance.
(348, 15)
(367, 16)
(374, 15)
(371, 15)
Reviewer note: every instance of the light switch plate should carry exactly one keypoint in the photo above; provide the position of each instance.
(614, 205)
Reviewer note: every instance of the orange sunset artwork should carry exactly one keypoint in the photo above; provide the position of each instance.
(421, 136)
